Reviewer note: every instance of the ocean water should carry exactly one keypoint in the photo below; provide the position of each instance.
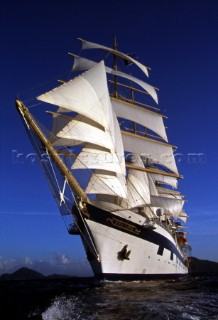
(85, 299)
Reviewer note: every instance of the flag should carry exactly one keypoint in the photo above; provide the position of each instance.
(128, 62)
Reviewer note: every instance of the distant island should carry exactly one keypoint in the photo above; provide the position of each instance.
(30, 274)
(196, 266)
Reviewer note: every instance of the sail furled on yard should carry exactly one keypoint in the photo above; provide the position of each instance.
(92, 45)
(95, 125)
(82, 64)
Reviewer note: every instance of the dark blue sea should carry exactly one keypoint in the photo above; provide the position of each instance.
(194, 297)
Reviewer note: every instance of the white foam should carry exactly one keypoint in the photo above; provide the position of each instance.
(62, 309)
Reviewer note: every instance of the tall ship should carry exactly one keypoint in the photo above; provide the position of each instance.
(102, 144)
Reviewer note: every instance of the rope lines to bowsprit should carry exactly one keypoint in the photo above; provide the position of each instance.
(42, 85)
(52, 176)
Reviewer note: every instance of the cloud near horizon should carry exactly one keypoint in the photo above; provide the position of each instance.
(58, 263)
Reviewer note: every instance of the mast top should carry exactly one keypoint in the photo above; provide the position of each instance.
(115, 67)
(115, 43)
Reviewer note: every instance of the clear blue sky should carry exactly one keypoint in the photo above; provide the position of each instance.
(178, 40)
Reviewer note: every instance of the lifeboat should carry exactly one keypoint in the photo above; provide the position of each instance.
(181, 238)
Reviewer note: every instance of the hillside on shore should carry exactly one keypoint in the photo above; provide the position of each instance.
(197, 266)
(202, 266)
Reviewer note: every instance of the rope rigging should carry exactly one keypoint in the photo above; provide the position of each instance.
(62, 202)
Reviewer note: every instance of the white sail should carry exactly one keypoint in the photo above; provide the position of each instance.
(171, 196)
(75, 132)
(137, 186)
(82, 64)
(171, 181)
(91, 45)
(171, 206)
(118, 143)
(156, 151)
(183, 216)
(102, 183)
(87, 95)
(153, 188)
(147, 118)
(169, 192)
(94, 158)
(85, 64)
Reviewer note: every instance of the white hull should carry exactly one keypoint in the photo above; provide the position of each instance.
(144, 260)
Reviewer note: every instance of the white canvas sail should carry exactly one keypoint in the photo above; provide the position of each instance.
(171, 181)
(138, 192)
(153, 188)
(156, 151)
(171, 196)
(94, 158)
(92, 45)
(147, 118)
(85, 64)
(118, 143)
(169, 192)
(102, 183)
(183, 216)
(86, 95)
(74, 132)
(171, 206)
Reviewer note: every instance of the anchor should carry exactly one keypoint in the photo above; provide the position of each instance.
(124, 253)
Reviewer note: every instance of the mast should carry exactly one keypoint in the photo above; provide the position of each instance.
(30, 122)
(115, 67)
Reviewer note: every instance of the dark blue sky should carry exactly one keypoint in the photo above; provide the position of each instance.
(178, 40)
